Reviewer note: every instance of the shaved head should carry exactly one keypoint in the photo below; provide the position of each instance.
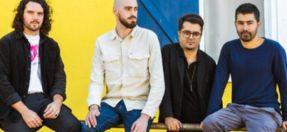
(126, 12)
(118, 3)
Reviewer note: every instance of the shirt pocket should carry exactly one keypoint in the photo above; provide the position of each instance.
(112, 67)
(139, 64)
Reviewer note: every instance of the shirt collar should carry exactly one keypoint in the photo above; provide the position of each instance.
(114, 35)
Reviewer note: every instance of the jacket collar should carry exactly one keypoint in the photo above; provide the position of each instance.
(20, 35)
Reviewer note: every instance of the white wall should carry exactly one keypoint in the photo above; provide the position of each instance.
(219, 17)
(276, 20)
(282, 22)
(219, 22)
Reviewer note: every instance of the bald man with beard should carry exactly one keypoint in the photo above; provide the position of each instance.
(127, 61)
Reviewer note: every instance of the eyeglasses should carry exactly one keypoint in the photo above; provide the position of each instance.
(187, 34)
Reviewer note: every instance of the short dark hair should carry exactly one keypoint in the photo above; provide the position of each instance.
(18, 21)
(248, 8)
(192, 18)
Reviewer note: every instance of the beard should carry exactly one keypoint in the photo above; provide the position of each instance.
(126, 23)
(33, 26)
(246, 36)
(190, 48)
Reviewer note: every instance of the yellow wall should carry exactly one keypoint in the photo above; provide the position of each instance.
(76, 24)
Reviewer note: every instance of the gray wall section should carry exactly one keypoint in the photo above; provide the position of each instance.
(219, 23)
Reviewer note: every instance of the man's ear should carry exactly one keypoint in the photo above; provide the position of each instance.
(259, 24)
(116, 11)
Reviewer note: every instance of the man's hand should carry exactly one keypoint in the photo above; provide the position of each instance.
(284, 125)
(91, 117)
(52, 110)
(201, 124)
(31, 118)
(172, 124)
(140, 125)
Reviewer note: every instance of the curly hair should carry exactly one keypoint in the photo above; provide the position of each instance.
(18, 22)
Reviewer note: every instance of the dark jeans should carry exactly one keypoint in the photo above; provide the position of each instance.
(65, 122)
(110, 117)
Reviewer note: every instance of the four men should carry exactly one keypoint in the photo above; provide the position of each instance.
(128, 62)
(32, 77)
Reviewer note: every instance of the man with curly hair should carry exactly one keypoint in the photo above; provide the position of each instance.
(32, 77)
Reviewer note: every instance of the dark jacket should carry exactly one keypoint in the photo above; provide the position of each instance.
(15, 70)
(174, 65)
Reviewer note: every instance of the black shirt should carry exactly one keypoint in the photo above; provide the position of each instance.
(190, 112)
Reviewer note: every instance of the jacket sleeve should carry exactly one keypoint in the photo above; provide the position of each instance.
(211, 74)
(59, 86)
(166, 104)
(8, 93)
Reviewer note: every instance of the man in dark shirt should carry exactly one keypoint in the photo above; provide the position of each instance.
(256, 65)
(32, 77)
(188, 73)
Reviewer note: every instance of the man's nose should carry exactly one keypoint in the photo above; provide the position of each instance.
(245, 27)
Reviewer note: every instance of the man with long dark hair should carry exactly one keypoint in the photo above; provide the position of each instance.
(32, 77)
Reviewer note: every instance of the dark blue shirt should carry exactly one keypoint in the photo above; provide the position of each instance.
(255, 74)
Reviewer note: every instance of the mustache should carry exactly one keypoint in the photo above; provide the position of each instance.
(243, 32)
(132, 17)
(35, 21)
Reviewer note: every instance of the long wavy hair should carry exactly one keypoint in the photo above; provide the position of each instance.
(18, 22)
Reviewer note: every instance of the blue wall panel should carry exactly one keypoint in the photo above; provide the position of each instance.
(161, 16)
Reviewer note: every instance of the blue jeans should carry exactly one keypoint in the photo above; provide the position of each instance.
(110, 117)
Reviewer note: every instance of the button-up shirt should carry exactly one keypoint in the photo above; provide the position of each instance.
(130, 68)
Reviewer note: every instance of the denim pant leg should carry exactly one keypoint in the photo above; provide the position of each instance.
(129, 117)
(108, 118)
